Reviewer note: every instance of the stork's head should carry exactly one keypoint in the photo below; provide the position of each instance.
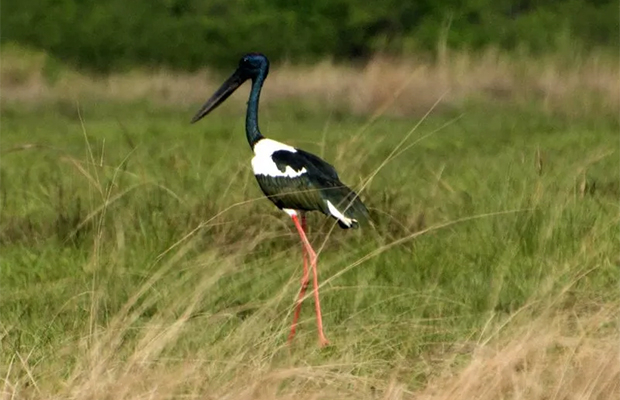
(251, 66)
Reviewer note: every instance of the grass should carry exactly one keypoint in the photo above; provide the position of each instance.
(139, 259)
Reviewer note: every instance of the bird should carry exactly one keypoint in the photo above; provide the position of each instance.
(295, 180)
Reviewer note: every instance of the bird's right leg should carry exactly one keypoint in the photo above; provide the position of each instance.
(305, 280)
(312, 256)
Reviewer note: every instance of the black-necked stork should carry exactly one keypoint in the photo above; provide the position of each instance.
(294, 180)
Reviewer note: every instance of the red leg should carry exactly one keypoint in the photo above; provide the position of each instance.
(312, 255)
(304, 284)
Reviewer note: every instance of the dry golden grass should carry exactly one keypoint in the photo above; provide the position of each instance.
(581, 86)
(555, 357)
(558, 355)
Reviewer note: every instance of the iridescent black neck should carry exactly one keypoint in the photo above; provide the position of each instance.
(251, 117)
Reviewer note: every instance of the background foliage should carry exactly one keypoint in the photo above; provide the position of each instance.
(189, 34)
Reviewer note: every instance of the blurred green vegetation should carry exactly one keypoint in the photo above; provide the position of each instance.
(189, 34)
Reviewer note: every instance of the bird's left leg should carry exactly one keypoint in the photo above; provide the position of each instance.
(312, 256)
(304, 283)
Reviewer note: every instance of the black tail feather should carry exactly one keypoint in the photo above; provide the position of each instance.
(349, 204)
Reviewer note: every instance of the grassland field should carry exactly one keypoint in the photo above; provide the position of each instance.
(140, 260)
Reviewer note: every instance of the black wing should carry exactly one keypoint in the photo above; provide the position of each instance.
(302, 159)
(298, 193)
(312, 189)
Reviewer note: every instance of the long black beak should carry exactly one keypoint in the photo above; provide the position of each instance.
(220, 95)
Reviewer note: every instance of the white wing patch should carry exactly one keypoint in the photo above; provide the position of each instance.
(334, 212)
(263, 164)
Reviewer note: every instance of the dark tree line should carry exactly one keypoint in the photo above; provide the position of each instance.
(105, 35)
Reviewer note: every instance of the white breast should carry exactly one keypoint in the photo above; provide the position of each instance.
(263, 164)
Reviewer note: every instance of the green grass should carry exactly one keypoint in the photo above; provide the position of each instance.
(137, 247)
